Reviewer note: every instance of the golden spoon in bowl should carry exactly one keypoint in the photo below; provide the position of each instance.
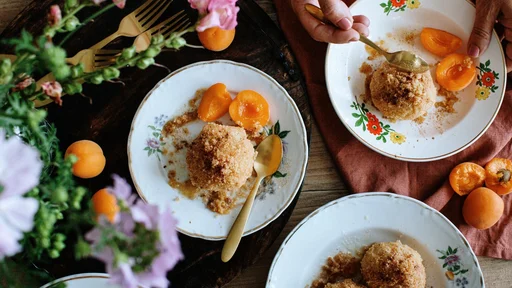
(270, 154)
(404, 60)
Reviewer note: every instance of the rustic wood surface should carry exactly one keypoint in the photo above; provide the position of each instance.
(322, 185)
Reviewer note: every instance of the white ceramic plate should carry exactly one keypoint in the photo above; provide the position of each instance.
(86, 280)
(435, 138)
(351, 222)
(169, 99)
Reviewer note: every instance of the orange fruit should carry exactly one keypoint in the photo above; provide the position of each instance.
(250, 110)
(498, 175)
(466, 177)
(455, 72)
(439, 42)
(105, 203)
(91, 160)
(482, 208)
(215, 103)
(216, 39)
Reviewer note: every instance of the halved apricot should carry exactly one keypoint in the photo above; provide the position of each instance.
(466, 177)
(216, 39)
(249, 110)
(455, 72)
(215, 103)
(439, 42)
(498, 175)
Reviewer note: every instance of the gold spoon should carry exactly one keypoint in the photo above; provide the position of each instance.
(403, 59)
(270, 154)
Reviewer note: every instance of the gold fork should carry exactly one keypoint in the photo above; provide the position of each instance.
(135, 23)
(142, 42)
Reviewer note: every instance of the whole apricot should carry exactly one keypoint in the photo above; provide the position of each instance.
(91, 160)
(466, 177)
(216, 39)
(105, 203)
(482, 208)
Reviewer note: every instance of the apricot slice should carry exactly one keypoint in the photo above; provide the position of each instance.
(455, 72)
(498, 175)
(215, 103)
(439, 42)
(483, 208)
(466, 177)
(216, 39)
(249, 110)
(91, 160)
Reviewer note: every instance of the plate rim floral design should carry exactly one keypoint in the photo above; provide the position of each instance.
(303, 144)
(386, 195)
(357, 135)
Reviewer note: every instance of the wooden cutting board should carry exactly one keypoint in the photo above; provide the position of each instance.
(107, 120)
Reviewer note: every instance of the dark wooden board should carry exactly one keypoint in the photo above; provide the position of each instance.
(107, 120)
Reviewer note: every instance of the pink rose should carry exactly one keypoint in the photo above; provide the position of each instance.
(119, 3)
(55, 15)
(23, 84)
(200, 5)
(221, 13)
(53, 90)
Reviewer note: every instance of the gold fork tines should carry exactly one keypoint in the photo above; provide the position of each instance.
(138, 21)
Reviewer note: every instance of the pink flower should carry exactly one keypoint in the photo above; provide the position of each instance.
(20, 168)
(53, 90)
(221, 13)
(138, 221)
(200, 5)
(55, 15)
(23, 84)
(119, 3)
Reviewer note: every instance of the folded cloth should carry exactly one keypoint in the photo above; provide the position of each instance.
(365, 170)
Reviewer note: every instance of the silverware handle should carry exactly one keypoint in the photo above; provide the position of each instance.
(370, 43)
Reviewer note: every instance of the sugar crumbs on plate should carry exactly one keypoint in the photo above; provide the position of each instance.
(338, 268)
(372, 53)
(366, 68)
(447, 104)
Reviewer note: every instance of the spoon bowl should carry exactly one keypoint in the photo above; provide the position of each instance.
(268, 160)
(404, 60)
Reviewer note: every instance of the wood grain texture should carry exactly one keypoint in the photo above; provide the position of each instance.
(322, 184)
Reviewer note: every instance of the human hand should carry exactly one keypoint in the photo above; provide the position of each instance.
(486, 16)
(348, 27)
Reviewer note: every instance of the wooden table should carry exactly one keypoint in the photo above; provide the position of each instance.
(322, 184)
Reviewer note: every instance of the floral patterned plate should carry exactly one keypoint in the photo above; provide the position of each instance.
(170, 98)
(352, 222)
(441, 134)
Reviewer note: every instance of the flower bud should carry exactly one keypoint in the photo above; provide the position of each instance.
(5, 79)
(77, 70)
(128, 53)
(145, 63)
(59, 246)
(62, 72)
(71, 23)
(73, 88)
(45, 242)
(82, 249)
(33, 193)
(178, 42)
(5, 66)
(54, 16)
(59, 215)
(96, 79)
(35, 117)
(71, 3)
(110, 73)
(59, 237)
(152, 52)
(157, 39)
(54, 254)
(59, 195)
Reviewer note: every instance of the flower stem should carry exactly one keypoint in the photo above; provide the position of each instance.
(89, 19)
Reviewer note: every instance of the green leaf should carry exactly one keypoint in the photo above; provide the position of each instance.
(450, 251)
(364, 127)
(387, 126)
(487, 70)
(270, 131)
(359, 122)
(149, 152)
(463, 271)
(482, 66)
(159, 151)
(283, 134)
(383, 5)
(455, 250)
(156, 134)
(442, 257)
(456, 267)
(355, 115)
(379, 137)
(277, 128)
(146, 149)
(152, 127)
(384, 139)
(279, 175)
(385, 133)
(445, 264)
(487, 63)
